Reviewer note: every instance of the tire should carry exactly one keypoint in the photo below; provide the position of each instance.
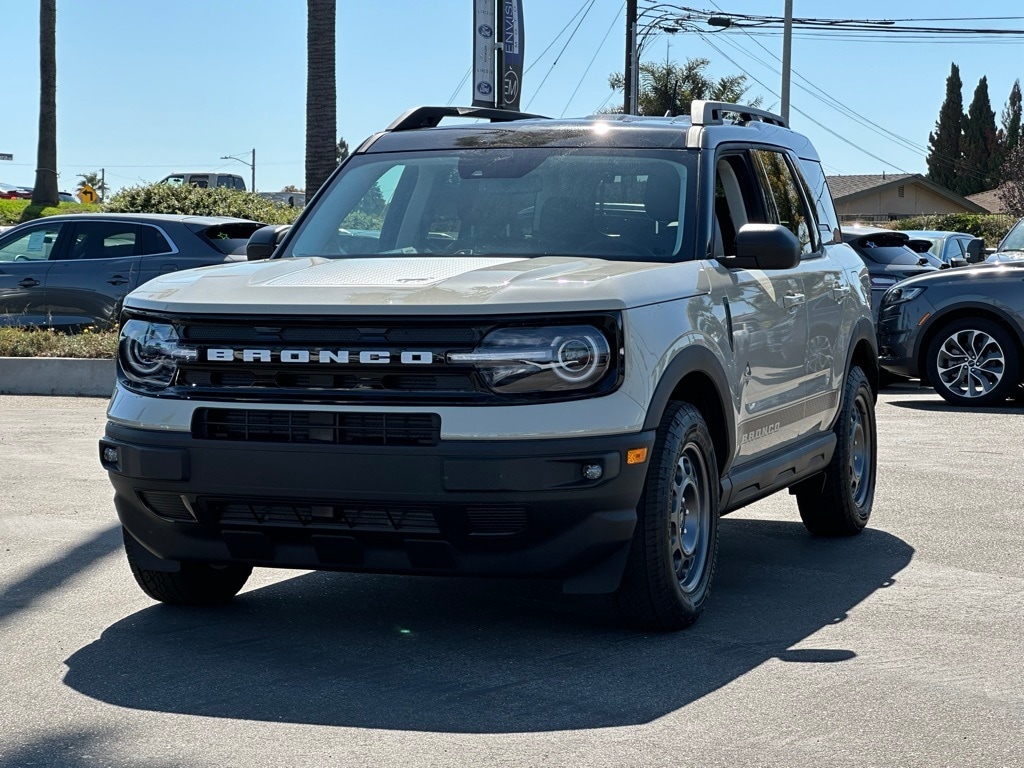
(973, 361)
(837, 502)
(190, 584)
(668, 576)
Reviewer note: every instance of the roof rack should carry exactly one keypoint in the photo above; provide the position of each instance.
(429, 117)
(710, 113)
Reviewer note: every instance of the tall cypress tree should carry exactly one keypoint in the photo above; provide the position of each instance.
(1011, 120)
(979, 171)
(944, 143)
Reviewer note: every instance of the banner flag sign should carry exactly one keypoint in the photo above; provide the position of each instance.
(485, 37)
(498, 53)
(510, 57)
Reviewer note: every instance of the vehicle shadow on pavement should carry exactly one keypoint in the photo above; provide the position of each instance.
(53, 575)
(941, 406)
(481, 656)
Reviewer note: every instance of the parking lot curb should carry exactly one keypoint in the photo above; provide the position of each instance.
(56, 376)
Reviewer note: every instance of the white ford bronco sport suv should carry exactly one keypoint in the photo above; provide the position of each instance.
(524, 347)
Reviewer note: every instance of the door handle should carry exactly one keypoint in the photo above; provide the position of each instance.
(29, 282)
(118, 280)
(840, 291)
(793, 300)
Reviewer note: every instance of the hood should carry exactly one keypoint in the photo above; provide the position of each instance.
(417, 285)
(967, 276)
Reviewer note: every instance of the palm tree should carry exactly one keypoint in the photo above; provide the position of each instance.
(94, 180)
(321, 94)
(670, 88)
(45, 190)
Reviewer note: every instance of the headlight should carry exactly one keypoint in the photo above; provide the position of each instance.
(883, 282)
(899, 295)
(149, 353)
(524, 360)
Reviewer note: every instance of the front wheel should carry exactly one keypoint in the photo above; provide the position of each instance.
(672, 560)
(837, 502)
(973, 362)
(183, 583)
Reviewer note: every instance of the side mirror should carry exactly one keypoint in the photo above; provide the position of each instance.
(264, 241)
(975, 250)
(764, 246)
(956, 261)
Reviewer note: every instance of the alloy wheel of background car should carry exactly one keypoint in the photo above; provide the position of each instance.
(973, 362)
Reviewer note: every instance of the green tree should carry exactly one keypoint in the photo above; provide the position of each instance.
(45, 190)
(342, 150)
(944, 142)
(321, 93)
(979, 169)
(1011, 191)
(669, 88)
(1010, 119)
(94, 180)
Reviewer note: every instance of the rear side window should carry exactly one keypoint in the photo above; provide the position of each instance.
(105, 240)
(228, 238)
(783, 198)
(153, 241)
(887, 249)
(199, 181)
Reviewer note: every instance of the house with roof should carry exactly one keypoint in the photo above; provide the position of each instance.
(892, 196)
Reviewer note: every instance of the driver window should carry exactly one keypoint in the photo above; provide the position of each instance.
(782, 195)
(36, 245)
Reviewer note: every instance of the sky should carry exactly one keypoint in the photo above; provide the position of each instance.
(148, 88)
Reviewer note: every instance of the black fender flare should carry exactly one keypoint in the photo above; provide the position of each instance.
(696, 359)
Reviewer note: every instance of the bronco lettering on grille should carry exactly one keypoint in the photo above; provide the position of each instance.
(326, 356)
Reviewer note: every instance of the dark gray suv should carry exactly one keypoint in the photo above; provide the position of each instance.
(70, 272)
(960, 330)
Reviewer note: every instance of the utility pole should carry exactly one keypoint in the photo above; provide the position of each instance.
(253, 166)
(103, 182)
(629, 81)
(787, 53)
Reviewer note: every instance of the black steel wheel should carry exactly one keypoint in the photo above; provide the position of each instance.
(973, 361)
(675, 545)
(184, 583)
(837, 502)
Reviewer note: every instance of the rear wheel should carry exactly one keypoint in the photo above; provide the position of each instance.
(668, 576)
(973, 361)
(183, 583)
(837, 502)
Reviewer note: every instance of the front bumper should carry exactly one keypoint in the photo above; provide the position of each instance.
(504, 508)
(900, 328)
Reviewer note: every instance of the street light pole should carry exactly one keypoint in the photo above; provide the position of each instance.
(251, 164)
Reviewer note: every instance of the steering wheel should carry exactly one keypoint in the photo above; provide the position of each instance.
(23, 257)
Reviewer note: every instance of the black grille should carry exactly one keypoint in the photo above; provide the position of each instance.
(353, 516)
(263, 426)
(406, 360)
(480, 520)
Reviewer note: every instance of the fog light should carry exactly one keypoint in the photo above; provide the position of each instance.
(110, 454)
(592, 471)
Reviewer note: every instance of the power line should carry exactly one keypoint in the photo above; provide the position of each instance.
(559, 56)
(597, 50)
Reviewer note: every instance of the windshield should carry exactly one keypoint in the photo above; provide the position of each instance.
(614, 204)
(1014, 240)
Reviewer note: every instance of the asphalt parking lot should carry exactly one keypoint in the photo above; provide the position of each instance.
(901, 647)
